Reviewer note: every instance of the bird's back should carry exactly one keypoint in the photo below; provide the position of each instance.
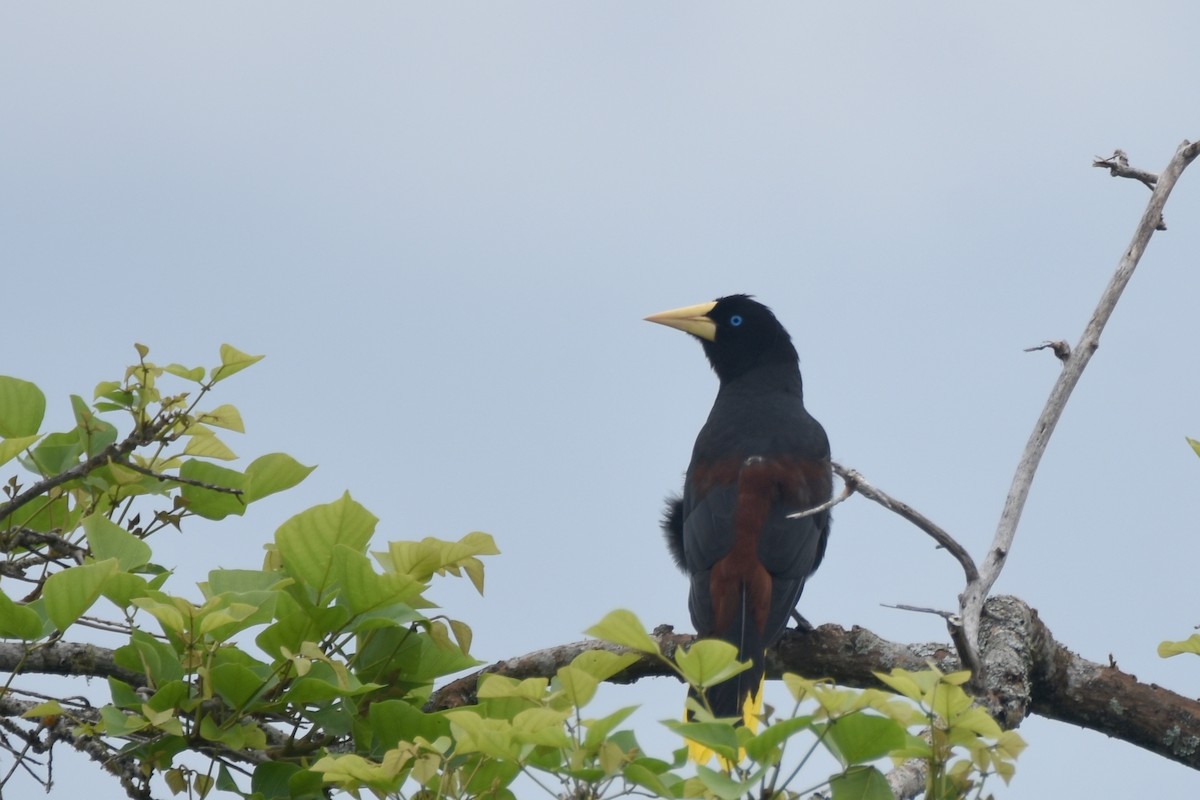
(758, 458)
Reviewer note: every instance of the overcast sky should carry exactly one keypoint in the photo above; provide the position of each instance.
(443, 224)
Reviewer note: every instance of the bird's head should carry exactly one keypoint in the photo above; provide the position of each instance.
(738, 333)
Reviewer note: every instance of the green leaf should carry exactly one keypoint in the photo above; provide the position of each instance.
(73, 591)
(306, 541)
(542, 726)
(195, 374)
(720, 737)
(223, 416)
(598, 729)
(237, 685)
(151, 657)
(721, 784)
(624, 628)
(124, 587)
(423, 559)
(57, 452)
(902, 682)
(709, 662)
(395, 721)
(462, 635)
(9, 448)
(50, 708)
(203, 443)
(272, 779)
(764, 747)
(18, 621)
(1188, 645)
(365, 590)
(240, 581)
(118, 723)
(493, 686)
(22, 407)
(603, 664)
(209, 503)
(860, 783)
(171, 695)
(978, 722)
(488, 778)
(109, 540)
(640, 775)
(860, 738)
(233, 361)
(94, 433)
(273, 473)
(579, 686)
(475, 734)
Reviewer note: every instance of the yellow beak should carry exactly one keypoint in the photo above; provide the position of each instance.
(690, 319)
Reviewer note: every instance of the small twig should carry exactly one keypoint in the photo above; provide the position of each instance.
(31, 539)
(1118, 166)
(856, 482)
(949, 616)
(847, 490)
(179, 479)
(1062, 350)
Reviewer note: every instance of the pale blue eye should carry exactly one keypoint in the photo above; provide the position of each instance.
(735, 320)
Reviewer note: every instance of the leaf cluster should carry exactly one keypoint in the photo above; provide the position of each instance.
(247, 687)
(310, 674)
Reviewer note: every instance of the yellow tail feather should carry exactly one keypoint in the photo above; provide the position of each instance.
(751, 714)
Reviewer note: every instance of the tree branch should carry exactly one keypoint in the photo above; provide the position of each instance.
(65, 658)
(971, 601)
(1118, 166)
(1026, 672)
(116, 452)
(179, 479)
(855, 481)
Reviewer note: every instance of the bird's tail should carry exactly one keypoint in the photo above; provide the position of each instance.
(750, 715)
(742, 695)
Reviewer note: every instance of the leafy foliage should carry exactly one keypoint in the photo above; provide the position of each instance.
(312, 672)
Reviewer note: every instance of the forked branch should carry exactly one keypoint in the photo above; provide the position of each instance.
(972, 599)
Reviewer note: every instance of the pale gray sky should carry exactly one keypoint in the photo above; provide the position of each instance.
(443, 224)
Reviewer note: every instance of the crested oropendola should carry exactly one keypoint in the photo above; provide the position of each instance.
(758, 458)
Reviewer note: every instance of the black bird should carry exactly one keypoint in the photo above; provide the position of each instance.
(758, 458)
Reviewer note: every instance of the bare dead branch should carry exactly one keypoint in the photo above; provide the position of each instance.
(1062, 350)
(946, 615)
(1118, 166)
(971, 601)
(856, 482)
(847, 490)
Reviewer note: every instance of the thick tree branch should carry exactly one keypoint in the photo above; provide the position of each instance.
(65, 658)
(1026, 672)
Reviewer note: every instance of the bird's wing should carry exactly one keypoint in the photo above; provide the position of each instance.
(707, 535)
(791, 550)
